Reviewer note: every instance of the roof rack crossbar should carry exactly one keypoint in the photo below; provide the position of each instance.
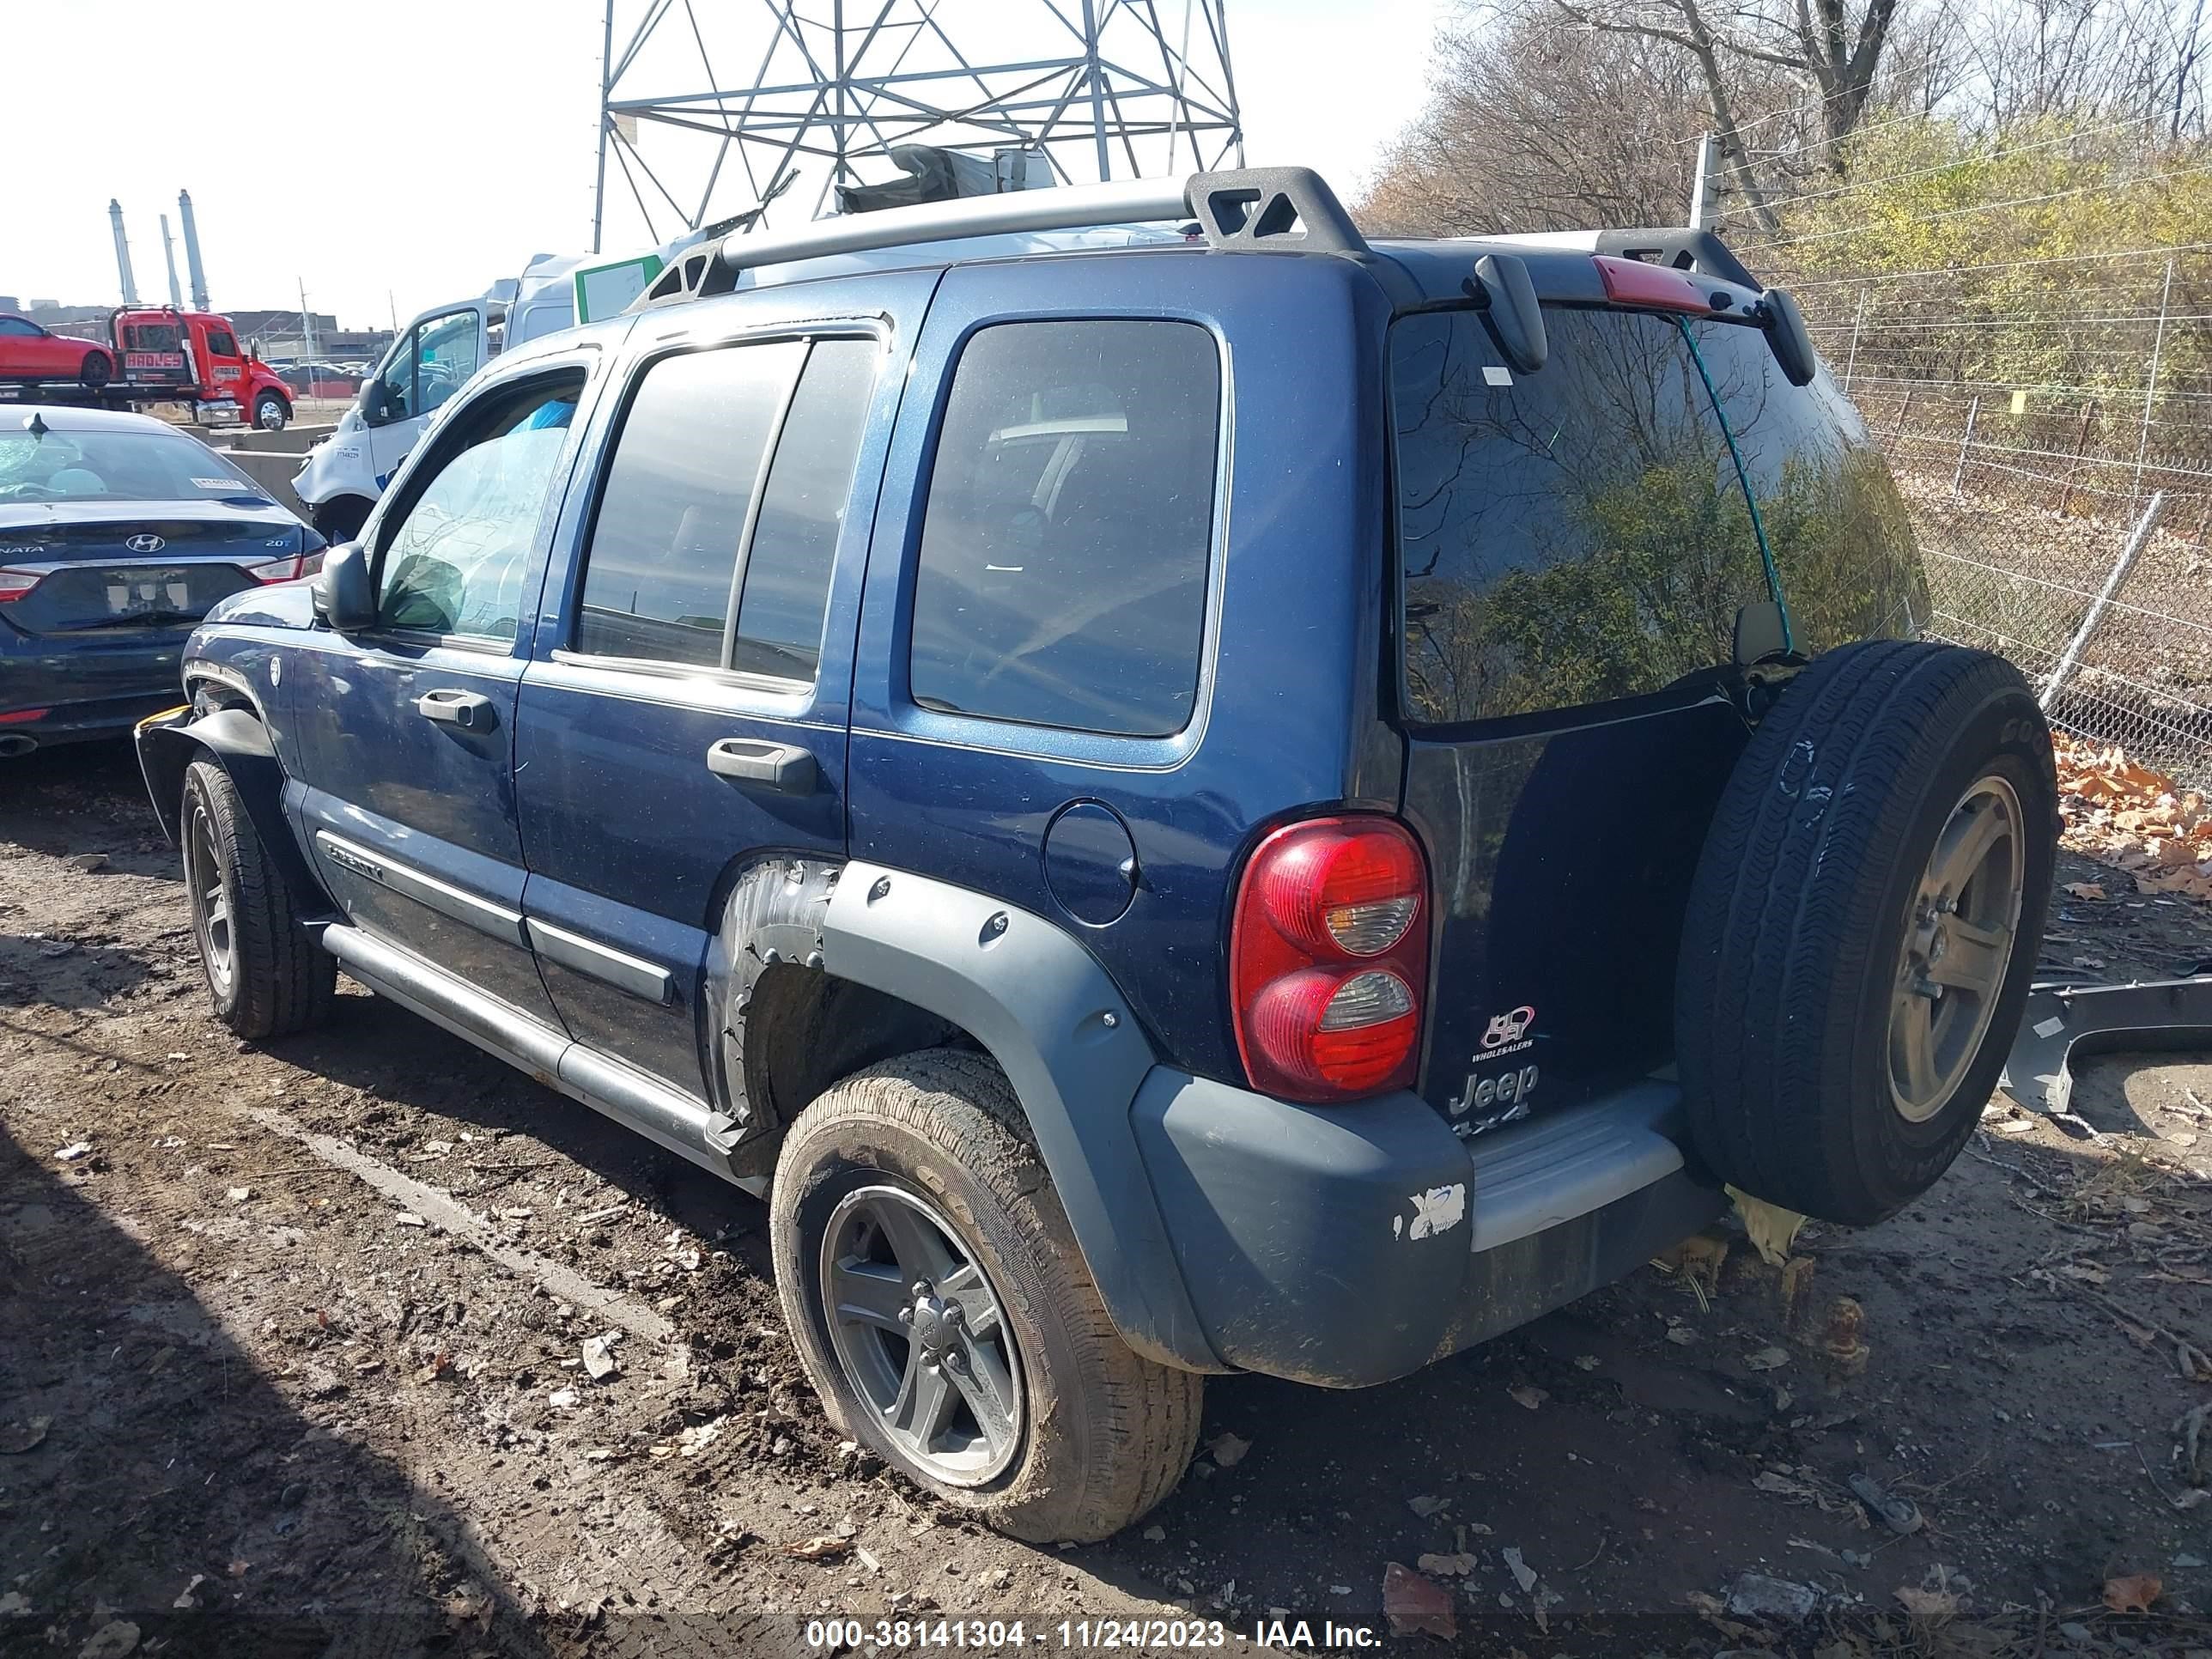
(1266, 209)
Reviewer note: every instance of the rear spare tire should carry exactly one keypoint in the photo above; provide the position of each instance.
(1863, 925)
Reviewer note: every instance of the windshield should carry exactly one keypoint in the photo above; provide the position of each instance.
(130, 466)
(1582, 534)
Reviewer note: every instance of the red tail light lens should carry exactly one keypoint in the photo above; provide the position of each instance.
(1328, 960)
(13, 584)
(1657, 287)
(278, 570)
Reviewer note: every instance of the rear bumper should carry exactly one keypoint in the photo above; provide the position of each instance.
(89, 687)
(1346, 1247)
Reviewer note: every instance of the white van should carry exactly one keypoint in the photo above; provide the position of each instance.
(433, 357)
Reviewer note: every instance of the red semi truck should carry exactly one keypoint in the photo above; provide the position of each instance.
(154, 354)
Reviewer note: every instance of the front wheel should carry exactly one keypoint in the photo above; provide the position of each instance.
(270, 412)
(942, 1310)
(265, 976)
(97, 369)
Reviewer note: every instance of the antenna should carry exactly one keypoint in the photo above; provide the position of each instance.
(1095, 90)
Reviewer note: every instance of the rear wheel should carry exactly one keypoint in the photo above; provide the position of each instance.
(97, 369)
(1863, 925)
(265, 976)
(941, 1307)
(270, 412)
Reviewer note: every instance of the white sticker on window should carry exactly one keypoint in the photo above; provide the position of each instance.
(216, 483)
(1492, 374)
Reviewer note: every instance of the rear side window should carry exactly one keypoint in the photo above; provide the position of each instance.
(1841, 537)
(1064, 543)
(673, 515)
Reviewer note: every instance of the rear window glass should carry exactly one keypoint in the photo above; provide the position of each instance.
(116, 466)
(1580, 534)
(1061, 580)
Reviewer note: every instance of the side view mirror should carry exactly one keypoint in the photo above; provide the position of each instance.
(1787, 337)
(375, 403)
(343, 596)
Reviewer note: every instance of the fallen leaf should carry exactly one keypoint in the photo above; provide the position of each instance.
(2133, 1593)
(1772, 1229)
(1930, 1606)
(1228, 1451)
(827, 1548)
(1526, 1397)
(1414, 1606)
(2085, 890)
(1523, 1574)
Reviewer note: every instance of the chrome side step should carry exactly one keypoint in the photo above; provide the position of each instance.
(670, 1118)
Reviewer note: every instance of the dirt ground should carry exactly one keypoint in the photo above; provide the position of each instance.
(291, 1348)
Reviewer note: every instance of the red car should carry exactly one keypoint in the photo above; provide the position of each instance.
(28, 352)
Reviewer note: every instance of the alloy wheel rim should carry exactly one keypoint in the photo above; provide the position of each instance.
(1961, 925)
(211, 902)
(921, 1335)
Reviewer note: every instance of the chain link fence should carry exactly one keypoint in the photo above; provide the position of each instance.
(2062, 518)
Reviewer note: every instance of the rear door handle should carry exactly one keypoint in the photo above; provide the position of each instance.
(450, 706)
(783, 767)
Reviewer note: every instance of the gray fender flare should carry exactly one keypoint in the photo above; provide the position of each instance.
(238, 743)
(1052, 1019)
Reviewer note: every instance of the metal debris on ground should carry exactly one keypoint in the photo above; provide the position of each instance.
(1901, 1514)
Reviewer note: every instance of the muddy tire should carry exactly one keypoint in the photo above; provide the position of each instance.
(919, 1171)
(1863, 925)
(264, 974)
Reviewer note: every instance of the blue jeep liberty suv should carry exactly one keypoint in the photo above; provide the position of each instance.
(1179, 791)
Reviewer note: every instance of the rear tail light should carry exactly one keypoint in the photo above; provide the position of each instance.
(281, 570)
(1328, 959)
(22, 716)
(1656, 288)
(13, 584)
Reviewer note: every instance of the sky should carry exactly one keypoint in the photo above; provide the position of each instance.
(391, 156)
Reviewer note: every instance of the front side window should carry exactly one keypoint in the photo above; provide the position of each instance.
(1068, 529)
(1567, 537)
(220, 343)
(456, 561)
(432, 363)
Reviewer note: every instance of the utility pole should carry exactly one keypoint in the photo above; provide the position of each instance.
(606, 85)
(306, 325)
(1704, 190)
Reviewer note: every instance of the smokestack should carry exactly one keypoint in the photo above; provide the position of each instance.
(169, 253)
(192, 250)
(122, 253)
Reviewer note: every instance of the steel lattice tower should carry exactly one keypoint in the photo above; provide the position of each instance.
(1105, 88)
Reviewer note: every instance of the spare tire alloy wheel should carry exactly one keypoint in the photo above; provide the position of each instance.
(919, 1333)
(1957, 943)
(1863, 925)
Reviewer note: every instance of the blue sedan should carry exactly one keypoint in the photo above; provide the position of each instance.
(116, 532)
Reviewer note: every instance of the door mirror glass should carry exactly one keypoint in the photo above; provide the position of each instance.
(345, 598)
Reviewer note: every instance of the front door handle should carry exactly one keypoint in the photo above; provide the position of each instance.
(783, 767)
(450, 706)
